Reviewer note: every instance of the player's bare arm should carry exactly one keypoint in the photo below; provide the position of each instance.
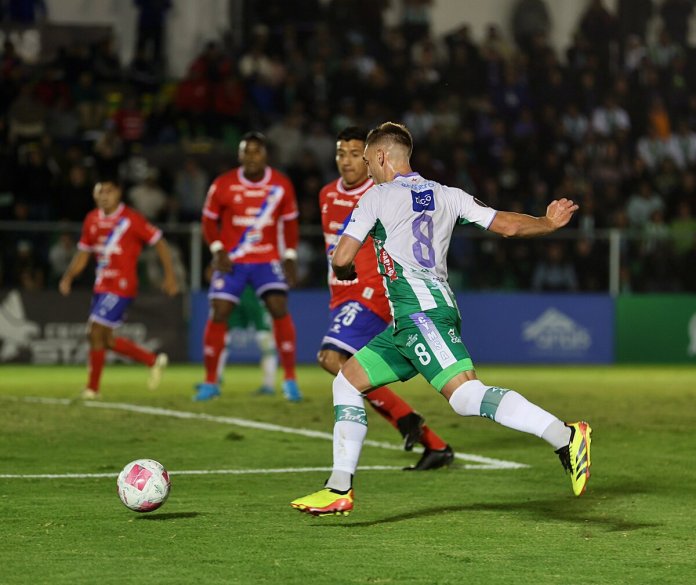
(169, 284)
(343, 258)
(77, 265)
(518, 225)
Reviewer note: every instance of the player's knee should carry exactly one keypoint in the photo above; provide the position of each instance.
(466, 400)
(331, 361)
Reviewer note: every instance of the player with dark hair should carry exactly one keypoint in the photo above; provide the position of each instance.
(360, 308)
(243, 213)
(411, 219)
(115, 234)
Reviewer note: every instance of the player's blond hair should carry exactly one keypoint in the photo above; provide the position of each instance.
(391, 132)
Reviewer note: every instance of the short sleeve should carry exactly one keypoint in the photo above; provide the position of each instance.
(147, 232)
(471, 210)
(364, 216)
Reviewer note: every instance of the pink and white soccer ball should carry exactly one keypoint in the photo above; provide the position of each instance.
(143, 485)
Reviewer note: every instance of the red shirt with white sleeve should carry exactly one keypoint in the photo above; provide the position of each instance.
(117, 240)
(246, 215)
(337, 204)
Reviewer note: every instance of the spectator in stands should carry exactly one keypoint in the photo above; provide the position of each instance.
(653, 148)
(682, 146)
(285, 139)
(26, 116)
(675, 16)
(554, 272)
(129, 121)
(190, 186)
(683, 229)
(530, 18)
(75, 199)
(148, 198)
(642, 204)
(152, 16)
(60, 255)
(610, 118)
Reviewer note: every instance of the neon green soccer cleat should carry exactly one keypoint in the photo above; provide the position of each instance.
(575, 456)
(325, 502)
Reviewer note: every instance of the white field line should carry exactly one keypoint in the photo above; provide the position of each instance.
(478, 461)
(114, 475)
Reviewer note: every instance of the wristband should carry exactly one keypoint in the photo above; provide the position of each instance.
(290, 254)
(216, 246)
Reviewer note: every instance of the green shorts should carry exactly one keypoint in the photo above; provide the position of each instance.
(250, 312)
(428, 343)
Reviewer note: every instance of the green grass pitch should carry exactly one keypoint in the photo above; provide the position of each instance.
(635, 524)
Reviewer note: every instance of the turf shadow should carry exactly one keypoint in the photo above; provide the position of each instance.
(556, 510)
(170, 516)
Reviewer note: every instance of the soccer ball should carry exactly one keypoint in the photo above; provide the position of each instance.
(143, 485)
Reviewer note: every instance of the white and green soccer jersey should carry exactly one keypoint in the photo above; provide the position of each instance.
(411, 220)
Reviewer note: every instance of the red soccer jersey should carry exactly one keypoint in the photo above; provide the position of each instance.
(336, 206)
(249, 213)
(116, 240)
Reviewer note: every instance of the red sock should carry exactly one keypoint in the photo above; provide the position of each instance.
(96, 365)
(431, 441)
(134, 351)
(284, 333)
(388, 404)
(392, 407)
(213, 344)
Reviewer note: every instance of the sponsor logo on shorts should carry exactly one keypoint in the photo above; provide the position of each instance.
(411, 340)
(453, 336)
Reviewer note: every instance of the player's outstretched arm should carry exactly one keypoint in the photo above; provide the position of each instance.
(77, 265)
(169, 284)
(343, 257)
(518, 225)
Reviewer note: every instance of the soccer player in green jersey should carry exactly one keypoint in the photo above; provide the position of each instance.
(411, 219)
(252, 314)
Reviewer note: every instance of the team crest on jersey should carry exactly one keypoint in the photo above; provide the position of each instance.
(423, 200)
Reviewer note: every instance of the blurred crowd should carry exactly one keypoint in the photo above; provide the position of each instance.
(611, 123)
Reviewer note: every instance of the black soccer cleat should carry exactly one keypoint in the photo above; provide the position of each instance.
(432, 459)
(411, 428)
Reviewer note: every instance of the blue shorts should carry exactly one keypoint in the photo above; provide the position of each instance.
(108, 309)
(353, 325)
(263, 277)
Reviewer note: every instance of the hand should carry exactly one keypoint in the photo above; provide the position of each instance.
(65, 285)
(290, 270)
(221, 261)
(559, 212)
(169, 286)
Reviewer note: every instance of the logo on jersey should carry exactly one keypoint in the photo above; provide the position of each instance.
(423, 201)
(386, 261)
(453, 336)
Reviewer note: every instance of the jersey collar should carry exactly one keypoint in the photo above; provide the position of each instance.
(366, 184)
(115, 213)
(244, 181)
(411, 174)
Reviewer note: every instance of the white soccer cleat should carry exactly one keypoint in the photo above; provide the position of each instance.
(156, 370)
(89, 394)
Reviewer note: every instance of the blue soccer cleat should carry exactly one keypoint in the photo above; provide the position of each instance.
(206, 391)
(291, 391)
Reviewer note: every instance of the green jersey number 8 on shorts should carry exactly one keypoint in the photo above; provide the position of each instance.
(426, 342)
